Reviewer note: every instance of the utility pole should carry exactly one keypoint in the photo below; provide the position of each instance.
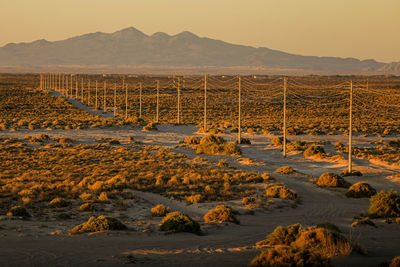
(179, 101)
(126, 101)
(140, 100)
(284, 116)
(104, 100)
(88, 100)
(115, 99)
(350, 126)
(158, 102)
(82, 95)
(205, 103)
(96, 106)
(240, 112)
(76, 88)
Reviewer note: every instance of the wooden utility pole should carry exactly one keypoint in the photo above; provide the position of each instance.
(59, 81)
(96, 106)
(82, 96)
(284, 116)
(205, 103)
(71, 87)
(350, 126)
(158, 102)
(65, 84)
(88, 97)
(240, 112)
(140, 100)
(126, 101)
(76, 88)
(104, 100)
(115, 99)
(179, 101)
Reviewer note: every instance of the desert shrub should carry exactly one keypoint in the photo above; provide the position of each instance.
(101, 223)
(160, 210)
(43, 137)
(179, 222)
(395, 262)
(150, 127)
(285, 170)
(278, 141)
(213, 148)
(385, 204)
(212, 139)
(103, 197)
(288, 257)
(18, 211)
(330, 226)
(248, 200)
(361, 222)
(360, 189)
(114, 142)
(244, 141)
(329, 179)
(282, 235)
(222, 163)
(352, 173)
(398, 220)
(326, 243)
(193, 199)
(314, 150)
(280, 191)
(192, 140)
(221, 214)
(86, 207)
(59, 203)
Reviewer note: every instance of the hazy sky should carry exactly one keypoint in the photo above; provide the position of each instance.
(346, 28)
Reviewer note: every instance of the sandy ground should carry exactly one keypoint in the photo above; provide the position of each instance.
(222, 245)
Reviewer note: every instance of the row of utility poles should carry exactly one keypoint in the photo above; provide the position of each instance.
(61, 83)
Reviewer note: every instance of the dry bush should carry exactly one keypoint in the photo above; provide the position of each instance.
(221, 214)
(360, 189)
(361, 222)
(243, 141)
(212, 144)
(282, 235)
(285, 170)
(160, 210)
(59, 203)
(101, 223)
(329, 179)
(314, 151)
(353, 173)
(278, 141)
(18, 211)
(384, 204)
(288, 257)
(280, 191)
(192, 140)
(248, 200)
(179, 222)
(150, 127)
(86, 207)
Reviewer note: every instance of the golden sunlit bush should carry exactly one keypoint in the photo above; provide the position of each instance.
(18, 211)
(385, 204)
(331, 180)
(221, 214)
(360, 189)
(179, 222)
(285, 170)
(99, 224)
(280, 191)
(160, 210)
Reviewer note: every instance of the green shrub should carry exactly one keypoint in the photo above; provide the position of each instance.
(179, 222)
(359, 190)
(285, 170)
(385, 204)
(314, 150)
(18, 211)
(288, 257)
(280, 191)
(160, 210)
(221, 214)
(101, 223)
(331, 180)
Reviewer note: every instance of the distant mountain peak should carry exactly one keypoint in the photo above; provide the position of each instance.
(129, 32)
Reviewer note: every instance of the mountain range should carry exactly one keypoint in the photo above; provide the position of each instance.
(131, 47)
